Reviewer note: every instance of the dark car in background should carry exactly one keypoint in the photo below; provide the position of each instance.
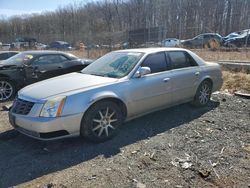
(7, 54)
(239, 41)
(32, 66)
(203, 40)
(59, 45)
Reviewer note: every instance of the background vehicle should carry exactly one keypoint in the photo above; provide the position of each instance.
(24, 42)
(7, 54)
(5, 46)
(203, 40)
(60, 45)
(118, 87)
(239, 41)
(32, 66)
(171, 42)
(231, 35)
(40, 46)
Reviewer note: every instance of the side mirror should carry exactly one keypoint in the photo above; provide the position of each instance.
(142, 71)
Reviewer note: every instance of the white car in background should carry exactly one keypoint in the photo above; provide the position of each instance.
(171, 42)
(5, 47)
(40, 46)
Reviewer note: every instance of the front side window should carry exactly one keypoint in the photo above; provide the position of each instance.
(3, 56)
(156, 62)
(114, 64)
(181, 60)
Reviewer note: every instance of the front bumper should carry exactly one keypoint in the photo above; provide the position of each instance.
(46, 128)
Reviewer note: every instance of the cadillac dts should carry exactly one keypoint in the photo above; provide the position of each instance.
(117, 87)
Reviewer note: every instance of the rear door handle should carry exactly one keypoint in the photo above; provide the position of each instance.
(166, 79)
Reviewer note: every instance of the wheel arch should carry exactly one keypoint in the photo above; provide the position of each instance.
(109, 96)
(4, 76)
(209, 79)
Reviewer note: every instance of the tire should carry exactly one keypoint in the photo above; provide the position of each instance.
(101, 122)
(203, 94)
(7, 90)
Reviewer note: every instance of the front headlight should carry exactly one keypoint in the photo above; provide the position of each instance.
(53, 107)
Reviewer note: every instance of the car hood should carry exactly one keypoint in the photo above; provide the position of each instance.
(6, 66)
(62, 85)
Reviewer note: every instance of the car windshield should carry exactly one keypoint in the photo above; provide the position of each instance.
(114, 64)
(18, 59)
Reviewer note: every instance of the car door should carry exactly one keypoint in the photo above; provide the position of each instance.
(185, 75)
(198, 42)
(151, 91)
(45, 66)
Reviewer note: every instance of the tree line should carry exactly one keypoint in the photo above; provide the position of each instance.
(108, 21)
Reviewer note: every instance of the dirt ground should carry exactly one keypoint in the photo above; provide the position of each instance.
(178, 147)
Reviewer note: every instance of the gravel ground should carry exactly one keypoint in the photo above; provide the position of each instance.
(178, 147)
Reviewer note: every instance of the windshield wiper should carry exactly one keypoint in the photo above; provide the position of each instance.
(96, 74)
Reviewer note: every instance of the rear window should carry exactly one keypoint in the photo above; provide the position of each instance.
(181, 60)
(19, 59)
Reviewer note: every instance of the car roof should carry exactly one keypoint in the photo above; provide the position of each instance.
(2, 52)
(209, 34)
(152, 50)
(42, 52)
(60, 42)
(170, 39)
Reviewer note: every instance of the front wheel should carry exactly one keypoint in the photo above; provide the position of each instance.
(203, 94)
(102, 121)
(7, 90)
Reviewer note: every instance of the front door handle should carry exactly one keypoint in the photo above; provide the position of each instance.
(197, 73)
(166, 79)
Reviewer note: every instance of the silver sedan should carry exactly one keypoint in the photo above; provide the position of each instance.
(118, 87)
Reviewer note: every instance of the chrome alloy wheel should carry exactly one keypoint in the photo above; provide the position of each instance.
(204, 94)
(6, 90)
(104, 124)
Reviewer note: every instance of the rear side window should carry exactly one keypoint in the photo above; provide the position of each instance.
(12, 53)
(50, 59)
(200, 37)
(181, 60)
(156, 62)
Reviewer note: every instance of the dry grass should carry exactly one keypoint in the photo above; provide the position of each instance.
(92, 54)
(218, 55)
(239, 81)
(206, 54)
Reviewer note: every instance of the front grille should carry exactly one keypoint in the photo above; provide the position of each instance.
(21, 106)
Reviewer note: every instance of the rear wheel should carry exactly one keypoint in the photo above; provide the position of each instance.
(101, 122)
(203, 94)
(7, 90)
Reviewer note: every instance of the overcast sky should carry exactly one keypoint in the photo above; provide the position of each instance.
(16, 7)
